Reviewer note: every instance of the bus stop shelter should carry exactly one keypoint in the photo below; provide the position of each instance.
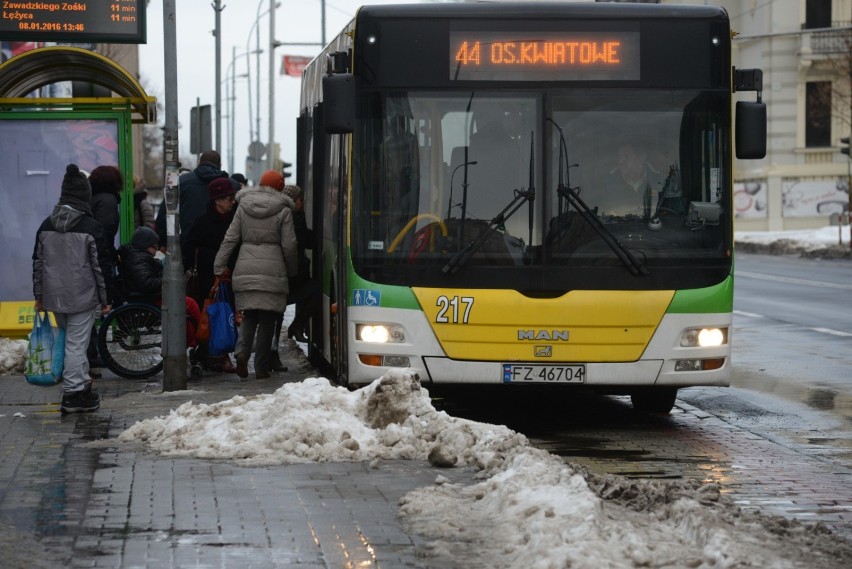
(39, 137)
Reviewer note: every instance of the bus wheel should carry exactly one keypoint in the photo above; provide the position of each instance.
(654, 399)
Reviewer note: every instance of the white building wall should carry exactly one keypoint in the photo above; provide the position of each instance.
(801, 186)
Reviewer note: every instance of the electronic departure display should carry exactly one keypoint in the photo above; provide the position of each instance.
(544, 56)
(93, 21)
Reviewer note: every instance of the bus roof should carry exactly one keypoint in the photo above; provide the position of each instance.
(510, 10)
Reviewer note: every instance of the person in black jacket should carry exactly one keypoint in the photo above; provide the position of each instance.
(68, 281)
(199, 248)
(107, 185)
(142, 276)
(304, 291)
(193, 193)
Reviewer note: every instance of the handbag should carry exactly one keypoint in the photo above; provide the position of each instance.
(202, 332)
(223, 329)
(45, 352)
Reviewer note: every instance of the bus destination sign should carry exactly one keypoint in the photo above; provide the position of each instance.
(91, 21)
(544, 56)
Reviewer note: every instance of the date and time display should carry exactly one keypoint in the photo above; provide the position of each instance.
(92, 20)
(544, 56)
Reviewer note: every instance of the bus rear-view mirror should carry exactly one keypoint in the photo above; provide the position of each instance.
(338, 93)
(751, 130)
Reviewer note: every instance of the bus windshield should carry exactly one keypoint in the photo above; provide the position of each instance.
(557, 189)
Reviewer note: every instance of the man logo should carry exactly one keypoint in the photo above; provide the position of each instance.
(543, 351)
(543, 335)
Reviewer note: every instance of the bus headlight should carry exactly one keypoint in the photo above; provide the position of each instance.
(704, 337)
(379, 333)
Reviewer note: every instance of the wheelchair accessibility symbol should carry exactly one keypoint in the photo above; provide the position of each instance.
(366, 297)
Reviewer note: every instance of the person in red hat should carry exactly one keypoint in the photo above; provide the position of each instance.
(262, 231)
(199, 248)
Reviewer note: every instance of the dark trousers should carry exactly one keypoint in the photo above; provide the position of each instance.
(261, 323)
(306, 295)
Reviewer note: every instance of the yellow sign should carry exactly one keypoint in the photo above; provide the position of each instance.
(16, 319)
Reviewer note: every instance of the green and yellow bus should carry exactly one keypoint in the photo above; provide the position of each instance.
(527, 194)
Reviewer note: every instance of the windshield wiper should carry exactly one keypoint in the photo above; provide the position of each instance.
(564, 191)
(521, 196)
(460, 258)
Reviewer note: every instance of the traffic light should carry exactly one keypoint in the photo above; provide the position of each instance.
(286, 173)
(845, 149)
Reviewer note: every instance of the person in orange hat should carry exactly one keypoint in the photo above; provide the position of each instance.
(263, 230)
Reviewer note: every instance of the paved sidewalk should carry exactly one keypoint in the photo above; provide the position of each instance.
(65, 501)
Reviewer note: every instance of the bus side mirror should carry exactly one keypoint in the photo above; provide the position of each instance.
(338, 94)
(751, 130)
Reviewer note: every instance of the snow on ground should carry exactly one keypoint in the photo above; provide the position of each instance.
(13, 356)
(806, 239)
(530, 509)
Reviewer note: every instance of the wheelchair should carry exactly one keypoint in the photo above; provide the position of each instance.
(130, 340)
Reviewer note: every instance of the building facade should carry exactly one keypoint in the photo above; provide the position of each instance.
(803, 48)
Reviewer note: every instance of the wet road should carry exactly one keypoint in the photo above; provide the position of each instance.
(778, 440)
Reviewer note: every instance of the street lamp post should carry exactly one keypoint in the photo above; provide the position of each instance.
(254, 135)
(231, 77)
(272, 45)
(218, 34)
(257, 66)
(270, 150)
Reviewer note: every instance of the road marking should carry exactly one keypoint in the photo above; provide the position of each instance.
(749, 314)
(791, 280)
(832, 332)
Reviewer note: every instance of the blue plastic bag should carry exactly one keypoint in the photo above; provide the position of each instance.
(223, 329)
(45, 352)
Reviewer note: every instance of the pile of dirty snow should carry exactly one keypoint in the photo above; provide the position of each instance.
(530, 509)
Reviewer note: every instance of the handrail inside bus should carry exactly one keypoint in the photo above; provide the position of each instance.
(404, 231)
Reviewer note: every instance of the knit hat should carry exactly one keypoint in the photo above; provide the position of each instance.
(76, 190)
(272, 179)
(239, 178)
(292, 192)
(143, 238)
(220, 188)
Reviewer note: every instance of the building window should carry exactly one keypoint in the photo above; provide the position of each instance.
(817, 14)
(818, 114)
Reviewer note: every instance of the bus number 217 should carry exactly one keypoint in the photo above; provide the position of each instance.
(450, 309)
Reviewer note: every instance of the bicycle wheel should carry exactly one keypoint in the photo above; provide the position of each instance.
(130, 341)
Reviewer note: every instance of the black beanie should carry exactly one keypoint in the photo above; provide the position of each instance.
(143, 238)
(76, 190)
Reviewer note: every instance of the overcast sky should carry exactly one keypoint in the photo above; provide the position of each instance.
(295, 21)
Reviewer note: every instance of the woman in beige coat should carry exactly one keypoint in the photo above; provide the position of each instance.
(263, 230)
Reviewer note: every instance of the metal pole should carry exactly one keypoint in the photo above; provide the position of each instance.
(270, 148)
(248, 81)
(174, 288)
(322, 20)
(218, 33)
(231, 109)
(257, 79)
(198, 150)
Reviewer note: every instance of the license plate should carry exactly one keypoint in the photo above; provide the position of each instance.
(534, 373)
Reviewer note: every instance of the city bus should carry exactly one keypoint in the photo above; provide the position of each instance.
(527, 194)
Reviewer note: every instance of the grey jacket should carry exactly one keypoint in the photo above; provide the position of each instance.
(67, 276)
(263, 230)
